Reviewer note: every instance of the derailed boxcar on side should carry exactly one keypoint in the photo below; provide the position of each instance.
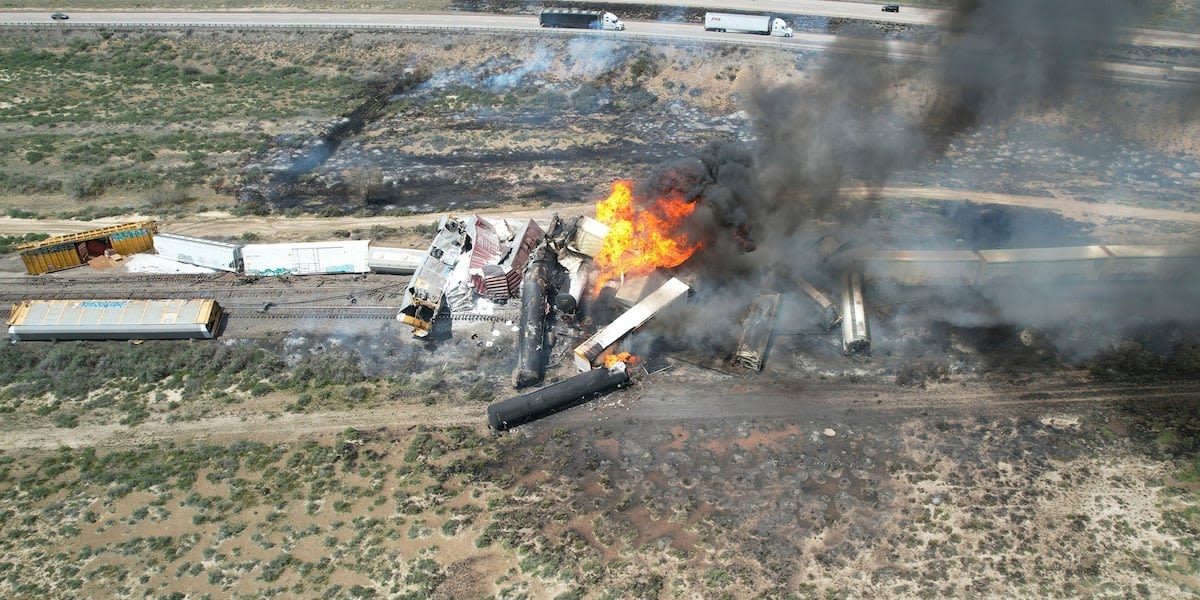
(395, 261)
(921, 267)
(75, 249)
(114, 319)
(1059, 265)
(222, 256)
(308, 258)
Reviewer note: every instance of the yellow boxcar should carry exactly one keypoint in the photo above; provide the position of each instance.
(71, 250)
(54, 258)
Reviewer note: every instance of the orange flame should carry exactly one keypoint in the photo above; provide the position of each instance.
(641, 240)
(625, 357)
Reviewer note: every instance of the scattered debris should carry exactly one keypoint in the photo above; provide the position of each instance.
(591, 350)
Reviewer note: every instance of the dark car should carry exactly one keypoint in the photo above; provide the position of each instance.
(891, 8)
(59, 16)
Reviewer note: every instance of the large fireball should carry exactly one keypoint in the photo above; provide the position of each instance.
(642, 239)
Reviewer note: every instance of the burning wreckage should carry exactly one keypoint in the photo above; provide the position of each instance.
(572, 277)
(474, 264)
(590, 284)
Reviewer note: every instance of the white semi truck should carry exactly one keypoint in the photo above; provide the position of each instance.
(760, 24)
(580, 19)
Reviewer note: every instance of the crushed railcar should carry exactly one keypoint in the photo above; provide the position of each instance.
(592, 349)
(756, 332)
(76, 249)
(104, 319)
(425, 291)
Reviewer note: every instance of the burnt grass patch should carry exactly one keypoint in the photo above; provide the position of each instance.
(859, 504)
(943, 506)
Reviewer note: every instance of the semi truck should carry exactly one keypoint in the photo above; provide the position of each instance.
(760, 24)
(580, 19)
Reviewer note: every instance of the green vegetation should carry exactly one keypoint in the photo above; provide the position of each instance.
(9, 243)
(105, 111)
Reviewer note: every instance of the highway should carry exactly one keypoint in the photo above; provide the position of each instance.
(894, 50)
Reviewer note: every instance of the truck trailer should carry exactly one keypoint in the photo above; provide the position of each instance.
(760, 24)
(580, 19)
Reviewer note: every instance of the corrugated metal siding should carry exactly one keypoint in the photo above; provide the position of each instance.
(66, 251)
(53, 258)
(311, 258)
(199, 251)
(485, 243)
(133, 240)
(113, 319)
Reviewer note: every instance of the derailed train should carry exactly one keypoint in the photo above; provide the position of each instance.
(1001, 268)
(1017, 265)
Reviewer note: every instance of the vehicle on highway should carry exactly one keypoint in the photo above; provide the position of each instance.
(760, 24)
(891, 8)
(59, 16)
(580, 19)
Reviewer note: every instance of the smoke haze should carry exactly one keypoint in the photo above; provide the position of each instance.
(847, 126)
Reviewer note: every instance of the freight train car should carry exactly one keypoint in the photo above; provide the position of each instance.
(308, 258)
(75, 249)
(222, 256)
(1008, 266)
(114, 319)
(397, 261)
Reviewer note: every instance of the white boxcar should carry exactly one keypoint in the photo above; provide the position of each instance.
(306, 258)
(222, 256)
(399, 261)
(114, 319)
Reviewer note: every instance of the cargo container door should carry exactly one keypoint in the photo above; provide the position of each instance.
(307, 261)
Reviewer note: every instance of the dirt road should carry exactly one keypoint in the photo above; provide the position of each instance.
(222, 224)
(830, 403)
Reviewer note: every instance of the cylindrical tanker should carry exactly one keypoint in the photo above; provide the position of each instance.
(531, 341)
(534, 405)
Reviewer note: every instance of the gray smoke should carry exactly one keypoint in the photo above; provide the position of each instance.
(998, 61)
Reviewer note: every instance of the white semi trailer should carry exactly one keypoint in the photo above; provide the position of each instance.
(760, 24)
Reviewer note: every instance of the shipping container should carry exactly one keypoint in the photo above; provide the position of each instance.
(113, 319)
(307, 258)
(222, 256)
(75, 249)
(396, 261)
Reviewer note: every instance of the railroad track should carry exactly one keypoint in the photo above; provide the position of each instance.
(370, 313)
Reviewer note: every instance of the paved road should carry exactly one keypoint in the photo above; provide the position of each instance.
(820, 8)
(890, 49)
